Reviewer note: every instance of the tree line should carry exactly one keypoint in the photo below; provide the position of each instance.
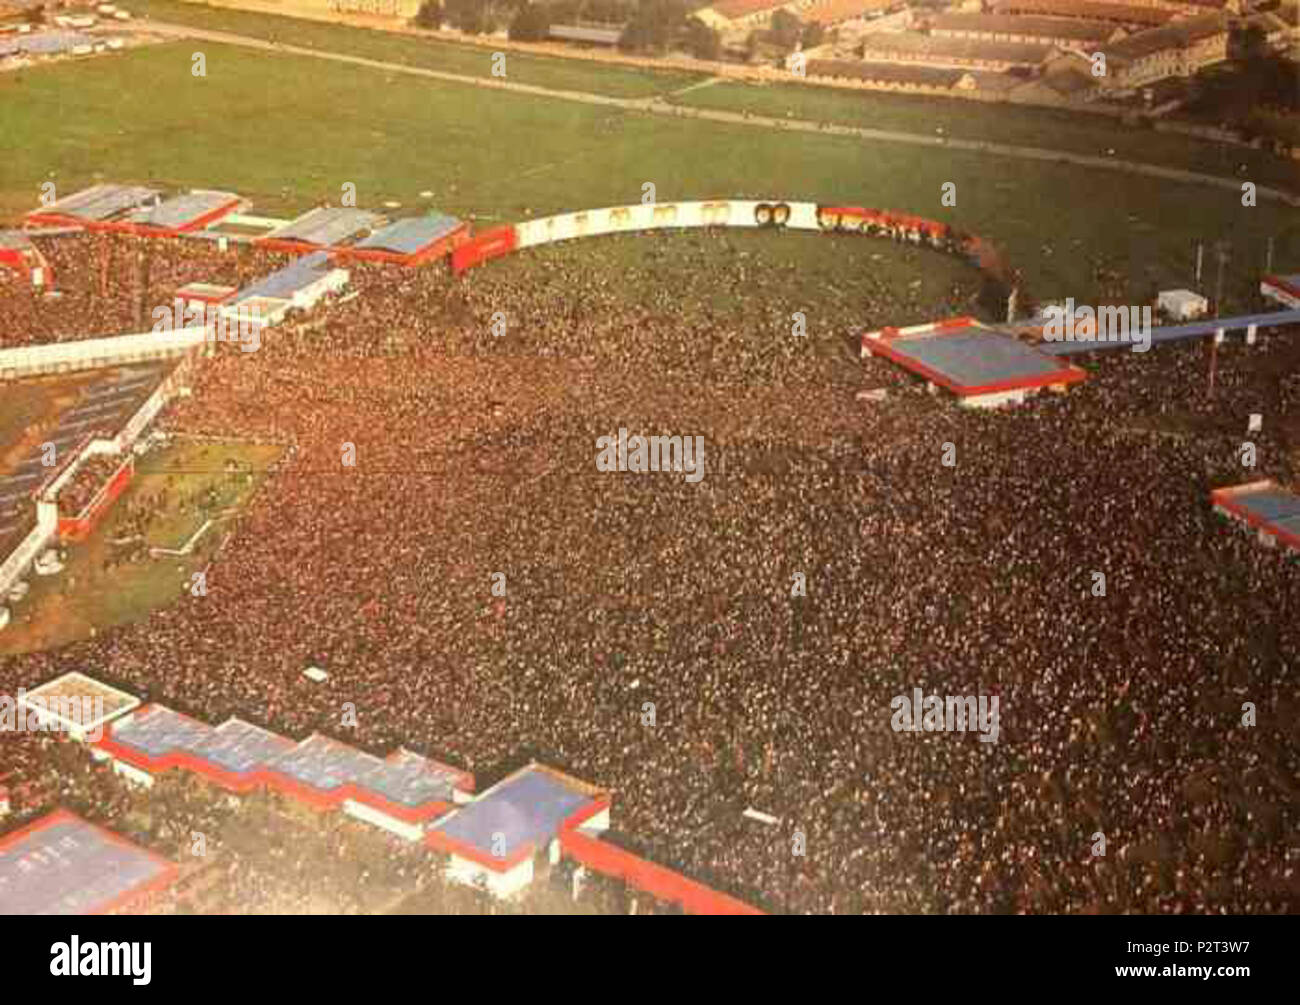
(647, 26)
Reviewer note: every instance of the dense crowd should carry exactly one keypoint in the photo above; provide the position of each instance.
(112, 285)
(1120, 713)
(81, 489)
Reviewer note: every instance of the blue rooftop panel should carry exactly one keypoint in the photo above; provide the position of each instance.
(527, 808)
(183, 209)
(240, 747)
(975, 357)
(409, 235)
(1269, 504)
(327, 226)
(283, 284)
(158, 731)
(66, 866)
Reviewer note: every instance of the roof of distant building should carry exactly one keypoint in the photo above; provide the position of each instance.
(910, 43)
(1041, 27)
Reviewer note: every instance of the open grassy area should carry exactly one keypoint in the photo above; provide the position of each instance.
(289, 131)
(184, 484)
(431, 54)
(1017, 125)
(1001, 123)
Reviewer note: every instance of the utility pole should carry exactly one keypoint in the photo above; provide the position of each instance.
(1200, 248)
(1268, 262)
(1222, 250)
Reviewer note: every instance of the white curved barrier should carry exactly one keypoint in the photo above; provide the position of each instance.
(667, 215)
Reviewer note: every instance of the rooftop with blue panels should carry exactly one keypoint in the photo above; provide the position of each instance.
(516, 817)
(406, 785)
(969, 359)
(1265, 506)
(189, 210)
(319, 770)
(63, 865)
(97, 203)
(411, 234)
(326, 226)
(284, 283)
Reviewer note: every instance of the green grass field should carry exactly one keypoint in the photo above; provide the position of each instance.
(1017, 125)
(85, 597)
(430, 54)
(290, 131)
(1010, 124)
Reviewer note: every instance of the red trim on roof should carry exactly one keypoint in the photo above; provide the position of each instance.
(882, 346)
(438, 248)
(455, 846)
(321, 799)
(160, 882)
(659, 881)
(1283, 285)
(1227, 498)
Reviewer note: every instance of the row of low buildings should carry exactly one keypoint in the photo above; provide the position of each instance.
(737, 15)
(1057, 57)
(1002, 42)
(1048, 47)
(727, 16)
(501, 838)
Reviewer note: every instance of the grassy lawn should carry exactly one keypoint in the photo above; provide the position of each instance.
(1015, 125)
(186, 482)
(1011, 124)
(431, 54)
(290, 131)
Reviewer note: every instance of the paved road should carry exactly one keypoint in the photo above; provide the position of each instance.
(657, 106)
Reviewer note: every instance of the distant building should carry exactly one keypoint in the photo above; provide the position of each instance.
(1061, 32)
(1280, 27)
(829, 13)
(1128, 13)
(730, 15)
(585, 35)
(961, 53)
(1064, 81)
(1179, 49)
(894, 77)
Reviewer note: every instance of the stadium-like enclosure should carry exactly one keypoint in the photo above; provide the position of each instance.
(752, 213)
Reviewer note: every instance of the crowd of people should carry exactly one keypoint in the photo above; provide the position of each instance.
(112, 285)
(651, 639)
(81, 489)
